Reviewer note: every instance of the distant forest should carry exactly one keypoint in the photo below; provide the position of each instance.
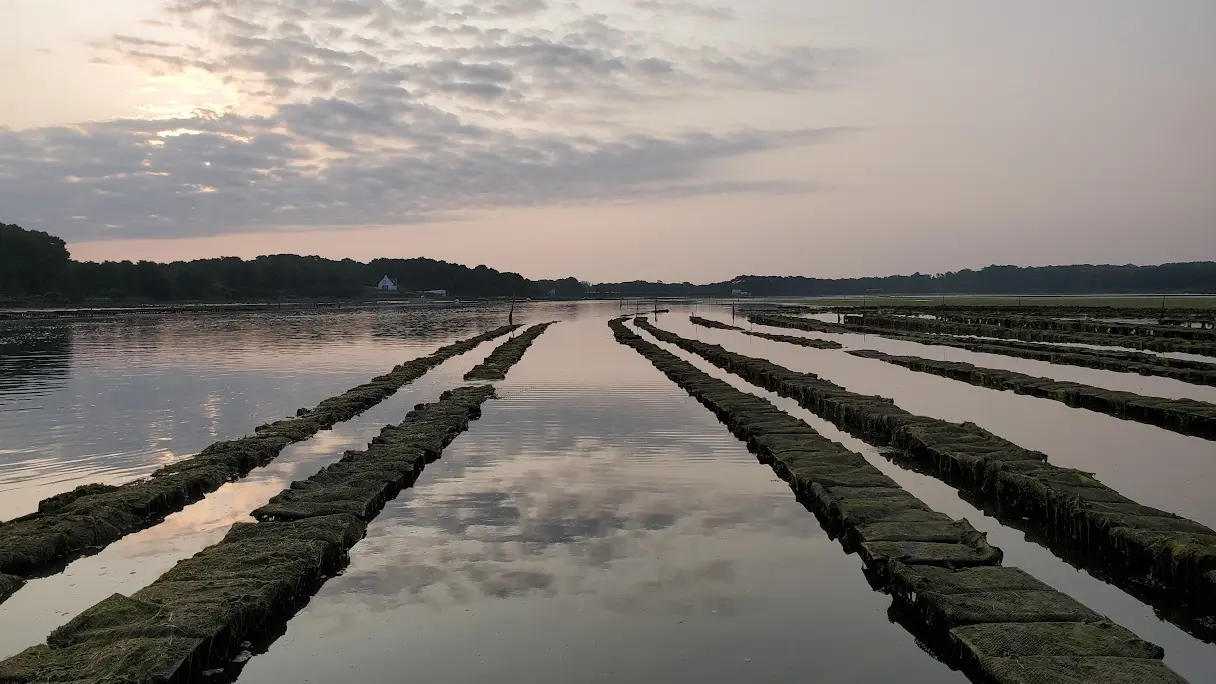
(1196, 277)
(36, 266)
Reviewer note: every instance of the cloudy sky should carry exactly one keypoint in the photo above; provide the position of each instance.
(616, 139)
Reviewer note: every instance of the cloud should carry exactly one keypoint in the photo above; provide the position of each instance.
(718, 12)
(378, 112)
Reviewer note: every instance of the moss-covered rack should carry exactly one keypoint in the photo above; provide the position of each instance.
(500, 360)
(1140, 363)
(1186, 416)
(1002, 625)
(1203, 347)
(1048, 322)
(788, 339)
(199, 613)
(1177, 553)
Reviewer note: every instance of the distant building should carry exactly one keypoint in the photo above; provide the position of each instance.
(387, 284)
(553, 292)
(436, 293)
(738, 293)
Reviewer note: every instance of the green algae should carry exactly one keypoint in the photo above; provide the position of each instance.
(1185, 416)
(500, 360)
(92, 516)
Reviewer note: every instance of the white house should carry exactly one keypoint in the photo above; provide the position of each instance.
(387, 284)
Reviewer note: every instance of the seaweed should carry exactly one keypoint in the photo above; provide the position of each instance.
(946, 579)
(1177, 553)
(1186, 416)
(92, 516)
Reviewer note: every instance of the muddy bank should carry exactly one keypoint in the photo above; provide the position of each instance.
(906, 323)
(788, 339)
(1175, 552)
(1194, 372)
(1000, 624)
(92, 516)
(1185, 416)
(203, 610)
(500, 360)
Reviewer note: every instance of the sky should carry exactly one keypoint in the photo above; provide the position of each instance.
(616, 139)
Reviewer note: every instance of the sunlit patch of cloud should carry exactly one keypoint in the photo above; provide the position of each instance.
(376, 112)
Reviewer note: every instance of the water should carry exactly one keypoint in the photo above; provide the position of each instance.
(113, 401)
(595, 524)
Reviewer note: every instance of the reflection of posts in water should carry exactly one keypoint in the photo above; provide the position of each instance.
(34, 357)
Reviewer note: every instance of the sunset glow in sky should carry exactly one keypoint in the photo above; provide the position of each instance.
(616, 139)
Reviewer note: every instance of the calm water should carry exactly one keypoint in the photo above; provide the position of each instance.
(112, 401)
(596, 524)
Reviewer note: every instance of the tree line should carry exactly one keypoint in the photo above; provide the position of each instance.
(1197, 277)
(37, 266)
